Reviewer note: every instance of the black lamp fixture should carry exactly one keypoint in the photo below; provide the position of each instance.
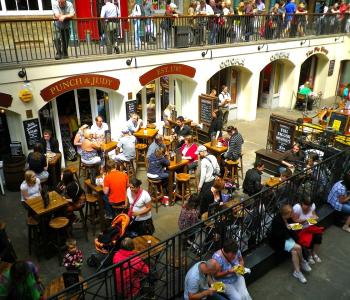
(129, 61)
(262, 46)
(23, 74)
(204, 53)
(303, 42)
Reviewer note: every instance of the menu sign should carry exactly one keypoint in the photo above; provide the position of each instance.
(339, 122)
(283, 137)
(131, 107)
(32, 132)
(206, 106)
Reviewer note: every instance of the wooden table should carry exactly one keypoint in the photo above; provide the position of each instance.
(98, 189)
(54, 169)
(215, 150)
(141, 244)
(272, 181)
(149, 135)
(56, 202)
(271, 160)
(57, 285)
(172, 168)
(107, 147)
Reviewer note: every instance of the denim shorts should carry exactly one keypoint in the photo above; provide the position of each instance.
(289, 244)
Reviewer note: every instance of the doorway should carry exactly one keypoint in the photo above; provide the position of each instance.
(308, 71)
(5, 139)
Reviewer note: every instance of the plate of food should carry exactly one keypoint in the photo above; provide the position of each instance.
(50, 155)
(239, 269)
(295, 226)
(218, 286)
(311, 221)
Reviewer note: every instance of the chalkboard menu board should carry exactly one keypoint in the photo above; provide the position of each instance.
(339, 122)
(32, 132)
(206, 107)
(284, 134)
(331, 67)
(131, 107)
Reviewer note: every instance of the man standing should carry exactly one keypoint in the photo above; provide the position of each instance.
(109, 10)
(181, 130)
(209, 168)
(114, 188)
(203, 9)
(252, 180)
(98, 129)
(198, 280)
(224, 103)
(63, 12)
(235, 143)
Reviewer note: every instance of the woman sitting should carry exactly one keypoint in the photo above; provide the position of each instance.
(214, 195)
(140, 209)
(70, 189)
(30, 187)
(79, 137)
(283, 238)
(89, 154)
(312, 234)
(228, 258)
(37, 162)
(157, 164)
(188, 151)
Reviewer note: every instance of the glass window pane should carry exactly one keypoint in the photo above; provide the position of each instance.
(102, 105)
(33, 4)
(11, 5)
(84, 106)
(46, 4)
(22, 4)
(151, 102)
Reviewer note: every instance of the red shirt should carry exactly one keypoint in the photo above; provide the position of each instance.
(117, 183)
(190, 152)
(130, 273)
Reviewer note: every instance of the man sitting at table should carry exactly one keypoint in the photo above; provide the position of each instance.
(98, 129)
(49, 143)
(127, 144)
(134, 123)
(181, 130)
(293, 158)
(128, 277)
(158, 143)
(114, 188)
(252, 180)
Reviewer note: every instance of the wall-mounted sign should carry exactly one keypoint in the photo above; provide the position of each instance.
(77, 82)
(232, 62)
(168, 69)
(5, 100)
(279, 55)
(25, 95)
(130, 107)
(331, 67)
(322, 50)
(32, 132)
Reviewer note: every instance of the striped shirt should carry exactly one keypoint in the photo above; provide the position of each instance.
(337, 190)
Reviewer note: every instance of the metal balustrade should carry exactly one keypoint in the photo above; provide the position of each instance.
(248, 222)
(33, 39)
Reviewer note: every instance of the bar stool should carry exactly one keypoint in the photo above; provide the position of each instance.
(129, 167)
(33, 234)
(59, 225)
(231, 171)
(240, 167)
(81, 166)
(91, 170)
(182, 185)
(141, 154)
(74, 170)
(91, 210)
(155, 189)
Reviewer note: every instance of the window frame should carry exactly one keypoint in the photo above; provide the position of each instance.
(40, 11)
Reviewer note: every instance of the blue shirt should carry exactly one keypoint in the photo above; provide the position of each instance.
(226, 265)
(337, 190)
(290, 8)
(195, 281)
(156, 164)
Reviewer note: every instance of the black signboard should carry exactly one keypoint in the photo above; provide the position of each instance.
(32, 132)
(331, 67)
(338, 121)
(206, 107)
(284, 135)
(131, 107)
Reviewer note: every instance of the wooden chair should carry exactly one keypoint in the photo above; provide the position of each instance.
(231, 171)
(59, 225)
(141, 155)
(183, 189)
(155, 189)
(91, 210)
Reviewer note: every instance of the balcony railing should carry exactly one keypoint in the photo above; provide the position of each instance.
(248, 222)
(37, 39)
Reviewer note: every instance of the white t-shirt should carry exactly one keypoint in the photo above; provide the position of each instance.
(33, 191)
(224, 96)
(100, 131)
(140, 204)
(299, 212)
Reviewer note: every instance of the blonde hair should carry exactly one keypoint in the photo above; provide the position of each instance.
(28, 177)
(189, 138)
(71, 243)
(87, 133)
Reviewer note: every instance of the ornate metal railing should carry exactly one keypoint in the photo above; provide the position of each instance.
(247, 222)
(35, 39)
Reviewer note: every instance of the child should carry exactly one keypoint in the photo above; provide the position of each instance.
(73, 258)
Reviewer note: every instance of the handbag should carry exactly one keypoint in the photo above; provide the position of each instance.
(133, 204)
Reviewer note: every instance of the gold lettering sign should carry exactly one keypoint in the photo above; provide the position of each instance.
(79, 81)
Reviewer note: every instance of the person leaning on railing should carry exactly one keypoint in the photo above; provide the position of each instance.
(63, 11)
(109, 10)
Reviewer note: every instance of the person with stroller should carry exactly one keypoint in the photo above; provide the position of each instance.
(140, 207)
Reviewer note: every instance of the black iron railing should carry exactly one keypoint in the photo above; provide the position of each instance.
(36, 39)
(247, 222)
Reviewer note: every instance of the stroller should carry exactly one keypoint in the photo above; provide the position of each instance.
(108, 241)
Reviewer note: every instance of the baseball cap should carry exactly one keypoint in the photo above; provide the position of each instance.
(201, 149)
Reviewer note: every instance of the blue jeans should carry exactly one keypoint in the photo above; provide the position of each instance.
(108, 207)
(346, 208)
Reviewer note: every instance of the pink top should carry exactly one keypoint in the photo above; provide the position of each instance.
(191, 152)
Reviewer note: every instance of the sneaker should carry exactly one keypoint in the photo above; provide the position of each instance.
(305, 266)
(317, 258)
(299, 276)
(311, 260)
(346, 228)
